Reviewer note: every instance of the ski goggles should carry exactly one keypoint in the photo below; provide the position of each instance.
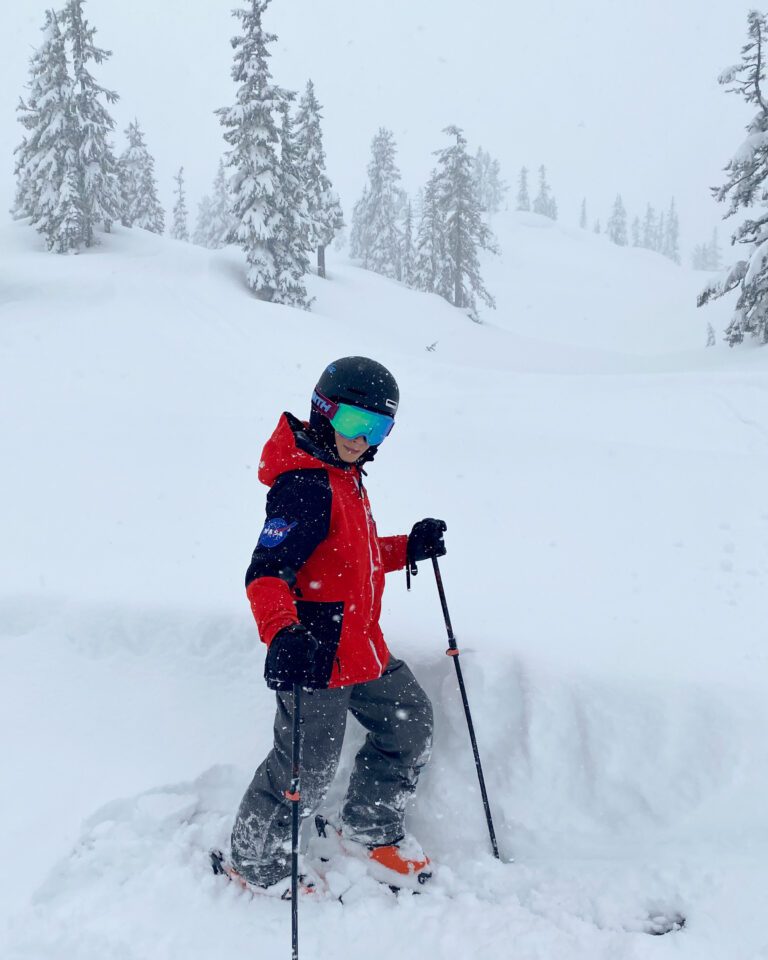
(353, 422)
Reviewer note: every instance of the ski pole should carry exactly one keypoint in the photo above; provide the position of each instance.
(453, 653)
(294, 795)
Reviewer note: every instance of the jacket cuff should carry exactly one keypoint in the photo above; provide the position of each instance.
(272, 605)
(393, 551)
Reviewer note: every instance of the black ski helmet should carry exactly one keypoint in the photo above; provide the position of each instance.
(360, 382)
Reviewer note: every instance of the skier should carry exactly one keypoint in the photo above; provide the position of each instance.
(315, 584)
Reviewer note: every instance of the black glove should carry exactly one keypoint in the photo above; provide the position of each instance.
(291, 659)
(424, 542)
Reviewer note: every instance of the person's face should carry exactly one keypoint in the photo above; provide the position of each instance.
(350, 450)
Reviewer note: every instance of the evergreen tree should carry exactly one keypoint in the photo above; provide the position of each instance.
(293, 238)
(381, 251)
(523, 199)
(481, 164)
(407, 254)
(430, 271)
(649, 229)
(140, 205)
(707, 256)
(252, 134)
(636, 241)
(596, 227)
(746, 189)
(97, 174)
(661, 232)
(464, 231)
(489, 185)
(671, 244)
(203, 222)
(220, 223)
(544, 203)
(180, 230)
(497, 188)
(617, 223)
(358, 237)
(583, 217)
(323, 203)
(48, 186)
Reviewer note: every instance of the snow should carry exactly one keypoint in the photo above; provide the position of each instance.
(602, 475)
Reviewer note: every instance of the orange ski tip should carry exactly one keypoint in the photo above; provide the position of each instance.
(390, 858)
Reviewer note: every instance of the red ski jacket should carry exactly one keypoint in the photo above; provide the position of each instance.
(319, 560)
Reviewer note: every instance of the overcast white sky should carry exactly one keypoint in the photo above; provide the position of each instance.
(611, 96)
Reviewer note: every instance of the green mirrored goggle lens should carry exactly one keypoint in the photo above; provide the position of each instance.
(353, 422)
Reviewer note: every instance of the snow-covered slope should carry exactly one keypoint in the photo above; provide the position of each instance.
(603, 480)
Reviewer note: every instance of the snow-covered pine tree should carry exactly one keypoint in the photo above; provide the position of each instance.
(220, 223)
(596, 227)
(203, 222)
(707, 256)
(481, 163)
(497, 188)
(671, 242)
(650, 229)
(293, 239)
(583, 217)
(465, 232)
(48, 175)
(407, 253)
(180, 230)
(358, 237)
(252, 134)
(381, 251)
(140, 205)
(430, 273)
(746, 189)
(92, 125)
(523, 197)
(544, 203)
(490, 187)
(636, 241)
(617, 223)
(322, 201)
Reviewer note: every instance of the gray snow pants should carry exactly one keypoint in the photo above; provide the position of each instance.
(398, 717)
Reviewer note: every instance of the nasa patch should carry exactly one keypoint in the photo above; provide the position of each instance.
(275, 531)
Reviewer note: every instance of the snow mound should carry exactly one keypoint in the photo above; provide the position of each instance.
(139, 885)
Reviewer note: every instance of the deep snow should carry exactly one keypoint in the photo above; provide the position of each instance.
(603, 479)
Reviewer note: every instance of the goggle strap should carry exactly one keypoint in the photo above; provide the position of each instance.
(323, 405)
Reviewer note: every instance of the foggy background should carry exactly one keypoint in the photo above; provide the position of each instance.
(610, 97)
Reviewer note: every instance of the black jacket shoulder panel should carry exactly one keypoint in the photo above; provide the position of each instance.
(298, 518)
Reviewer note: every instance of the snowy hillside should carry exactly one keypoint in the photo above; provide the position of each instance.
(603, 480)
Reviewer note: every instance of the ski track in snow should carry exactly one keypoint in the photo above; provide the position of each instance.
(603, 480)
